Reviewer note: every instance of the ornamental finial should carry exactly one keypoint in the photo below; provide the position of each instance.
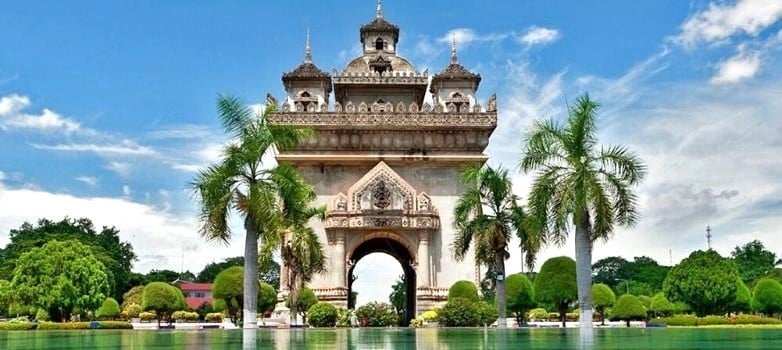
(307, 49)
(379, 13)
(454, 59)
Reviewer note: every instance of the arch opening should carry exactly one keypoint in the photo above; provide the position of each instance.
(402, 255)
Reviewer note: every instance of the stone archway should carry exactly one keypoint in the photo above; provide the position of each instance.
(391, 245)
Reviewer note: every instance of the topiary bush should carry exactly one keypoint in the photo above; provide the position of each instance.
(133, 310)
(712, 320)
(377, 314)
(459, 312)
(463, 289)
(628, 307)
(767, 296)
(109, 310)
(343, 317)
(539, 314)
(214, 317)
(660, 306)
(322, 314)
(487, 313)
(556, 284)
(755, 319)
(429, 316)
(519, 296)
(147, 316)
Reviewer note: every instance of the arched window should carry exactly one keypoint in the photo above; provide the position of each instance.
(304, 94)
(379, 44)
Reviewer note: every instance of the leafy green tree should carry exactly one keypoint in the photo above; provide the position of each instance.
(109, 310)
(485, 217)
(240, 182)
(610, 271)
(307, 298)
(646, 270)
(134, 296)
(323, 314)
(167, 276)
(753, 261)
(660, 305)
(521, 297)
(743, 302)
(162, 298)
(229, 286)
(398, 296)
(581, 185)
(463, 289)
(704, 280)
(627, 308)
(268, 271)
(116, 256)
(58, 277)
(267, 298)
(767, 296)
(645, 300)
(602, 298)
(556, 284)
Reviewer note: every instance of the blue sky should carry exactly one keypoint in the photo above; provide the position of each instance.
(107, 107)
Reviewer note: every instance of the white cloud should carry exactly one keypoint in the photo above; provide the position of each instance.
(120, 168)
(125, 148)
(126, 192)
(181, 131)
(2, 176)
(89, 180)
(720, 21)
(465, 36)
(12, 116)
(539, 36)
(158, 238)
(742, 66)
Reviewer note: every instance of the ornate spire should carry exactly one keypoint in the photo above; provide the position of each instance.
(307, 52)
(454, 59)
(379, 13)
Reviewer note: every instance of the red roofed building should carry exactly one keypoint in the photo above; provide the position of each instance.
(195, 293)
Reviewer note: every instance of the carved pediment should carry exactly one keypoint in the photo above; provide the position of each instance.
(381, 189)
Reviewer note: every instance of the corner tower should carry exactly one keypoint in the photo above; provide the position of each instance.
(386, 164)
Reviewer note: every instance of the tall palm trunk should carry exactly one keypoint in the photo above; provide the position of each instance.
(294, 297)
(584, 271)
(499, 260)
(250, 275)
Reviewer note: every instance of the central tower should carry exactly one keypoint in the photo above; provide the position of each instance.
(386, 163)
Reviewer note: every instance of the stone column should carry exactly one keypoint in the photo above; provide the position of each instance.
(423, 260)
(339, 259)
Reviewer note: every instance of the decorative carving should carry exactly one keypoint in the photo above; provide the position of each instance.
(375, 108)
(400, 107)
(422, 119)
(286, 107)
(491, 105)
(362, 107)
(451, 107)
(389, 107)
(337, 107)
(323, 108)
(299, 107)
(424, 203)
(438, 108)
(381, 196)
(340, 203)
(427, 108)
(350, 107)
(413, 107)
(312, 107)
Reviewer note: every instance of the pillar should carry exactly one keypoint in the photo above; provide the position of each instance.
(339, 259)
(423, 260)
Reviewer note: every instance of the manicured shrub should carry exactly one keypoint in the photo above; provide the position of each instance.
(267, 298)
(184, 316)
(679, 320)
(376, 314)
(429, 316)
(539, 314)
(109, 310)
(229, 286)
(645, 301)
(556, 284)
(755, 319)
(134, 296)
(41, 315)
(147, 316)
(712, 320)
(17, 326)
(602, 297)
(464, 289)
(162, 298)
(343, 317)
(519, 296)
(307, 299)
(115, 325)
(743, 302)
(487, 313)
(322, 314)
(660, 305)
(215, 317)
(628, 308)
(133, 310)
(767, 296)
(459, 312)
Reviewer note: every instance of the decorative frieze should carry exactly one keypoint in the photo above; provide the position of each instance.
(349, 119)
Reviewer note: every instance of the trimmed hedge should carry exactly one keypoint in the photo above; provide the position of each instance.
(463, 289)
(692, 321)
(214, 317)
(376, 314)
(83, 325)
(459, 312)
(322, 314)
(17, 326)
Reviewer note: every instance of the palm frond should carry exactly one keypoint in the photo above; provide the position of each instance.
(620, 161)
(234, 115)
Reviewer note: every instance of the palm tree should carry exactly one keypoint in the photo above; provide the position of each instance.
(299, 246)
(581, 184)
(240, 182)
(485, 216)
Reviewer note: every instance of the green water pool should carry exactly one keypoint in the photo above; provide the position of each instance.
(402, 338)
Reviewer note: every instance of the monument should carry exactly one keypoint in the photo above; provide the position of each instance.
(386, 163)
